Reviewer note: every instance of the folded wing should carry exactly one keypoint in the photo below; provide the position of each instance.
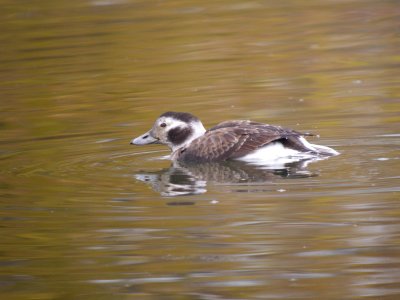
(234, 139)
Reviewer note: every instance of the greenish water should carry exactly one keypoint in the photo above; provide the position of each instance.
(85, 215)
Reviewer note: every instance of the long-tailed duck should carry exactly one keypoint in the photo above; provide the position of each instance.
(244, 140)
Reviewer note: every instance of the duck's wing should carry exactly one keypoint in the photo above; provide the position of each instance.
(263, 126)
(233, 140)
(235, 123)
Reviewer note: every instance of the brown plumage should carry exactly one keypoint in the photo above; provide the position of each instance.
(234, 139)
(190, 142)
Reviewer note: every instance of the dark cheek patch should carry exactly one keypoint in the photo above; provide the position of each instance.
(179, 135)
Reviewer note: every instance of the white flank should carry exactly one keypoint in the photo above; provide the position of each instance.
(275, 154)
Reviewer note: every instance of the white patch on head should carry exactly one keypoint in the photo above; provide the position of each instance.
(170, 122)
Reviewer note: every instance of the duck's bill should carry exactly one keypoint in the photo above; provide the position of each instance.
(144, 139)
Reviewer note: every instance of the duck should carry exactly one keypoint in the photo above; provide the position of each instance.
(242, 140)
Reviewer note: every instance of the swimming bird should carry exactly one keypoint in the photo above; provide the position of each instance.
(243, 140)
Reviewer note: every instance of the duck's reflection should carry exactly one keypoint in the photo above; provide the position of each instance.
(186, 179)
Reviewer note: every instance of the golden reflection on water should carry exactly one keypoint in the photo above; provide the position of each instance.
(80, 78)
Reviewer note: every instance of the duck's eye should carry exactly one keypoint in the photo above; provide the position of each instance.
(163, 125)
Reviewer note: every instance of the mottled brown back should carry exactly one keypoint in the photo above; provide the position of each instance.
(234, 139)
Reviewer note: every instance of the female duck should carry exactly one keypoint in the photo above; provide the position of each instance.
(244, 140)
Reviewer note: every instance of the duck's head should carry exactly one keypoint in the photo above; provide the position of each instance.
(174, 129)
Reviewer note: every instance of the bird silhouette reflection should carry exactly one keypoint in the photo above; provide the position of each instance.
(191, 179)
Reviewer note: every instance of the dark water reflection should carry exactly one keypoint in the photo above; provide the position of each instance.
(192, 179)
(78, 79)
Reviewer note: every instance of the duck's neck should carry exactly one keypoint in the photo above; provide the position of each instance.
(198, 130)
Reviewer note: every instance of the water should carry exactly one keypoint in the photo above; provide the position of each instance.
(85, 215)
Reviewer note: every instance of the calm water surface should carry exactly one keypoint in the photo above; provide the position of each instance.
(84, 215)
